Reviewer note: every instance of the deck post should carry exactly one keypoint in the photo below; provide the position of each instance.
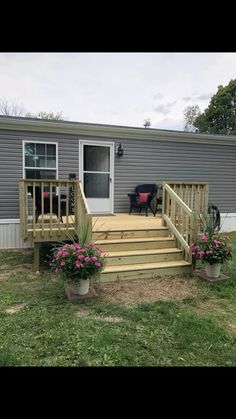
(163, 206)
(36, 256)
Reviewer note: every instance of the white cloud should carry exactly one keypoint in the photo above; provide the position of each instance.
(115, 88)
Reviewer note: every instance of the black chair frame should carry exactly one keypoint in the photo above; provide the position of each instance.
(134, 201)
(55, 209)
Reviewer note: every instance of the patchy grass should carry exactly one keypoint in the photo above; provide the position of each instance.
(171, 321)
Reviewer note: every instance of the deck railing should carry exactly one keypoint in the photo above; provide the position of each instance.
(52, 210)
(193, 194)
(182, 204)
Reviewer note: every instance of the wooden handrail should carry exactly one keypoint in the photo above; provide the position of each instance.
(177, 199)
(180, 219)
(194, 194)
(83, 214)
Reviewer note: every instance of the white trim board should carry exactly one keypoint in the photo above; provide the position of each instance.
(10, 221)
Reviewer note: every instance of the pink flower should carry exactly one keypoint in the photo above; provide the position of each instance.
(97, 264)
(94, 257)
(201, 254)
(62, 263)
(217, 243)
(209, 252)
(64, 254)
(78, 265)
(57, 270)
(204, 238)
(80, 257)
(87, 259)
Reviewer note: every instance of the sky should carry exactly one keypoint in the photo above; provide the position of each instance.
(115, 88)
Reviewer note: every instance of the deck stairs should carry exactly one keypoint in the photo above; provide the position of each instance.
(139, 253)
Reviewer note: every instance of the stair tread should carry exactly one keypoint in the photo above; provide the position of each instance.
(138, 239)
(144, 252)
(144, 266)
(130, 229)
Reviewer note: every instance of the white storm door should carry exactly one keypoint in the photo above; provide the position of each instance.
(96, 175)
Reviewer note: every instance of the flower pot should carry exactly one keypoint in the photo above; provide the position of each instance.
(83, 286)
(212, 271)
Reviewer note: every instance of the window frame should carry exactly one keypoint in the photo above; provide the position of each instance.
(39, 168)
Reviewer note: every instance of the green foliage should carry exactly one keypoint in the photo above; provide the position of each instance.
(220, 116)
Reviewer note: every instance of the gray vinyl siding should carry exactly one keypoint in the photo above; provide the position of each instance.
(144, 161)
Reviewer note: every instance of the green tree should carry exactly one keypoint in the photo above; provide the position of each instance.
(46, 115)
(220, 115)
(190, 115)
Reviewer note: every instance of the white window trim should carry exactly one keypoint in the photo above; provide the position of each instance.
(40, 168)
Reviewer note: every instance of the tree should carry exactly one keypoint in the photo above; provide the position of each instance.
(190, 115)
(46, 115)
(146, 123)
(220, 115)
(10, 109)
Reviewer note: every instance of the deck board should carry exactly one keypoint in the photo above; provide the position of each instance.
(125, 222)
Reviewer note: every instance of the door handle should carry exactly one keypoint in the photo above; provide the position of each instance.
(110, 179)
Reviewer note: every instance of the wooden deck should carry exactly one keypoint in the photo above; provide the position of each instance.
(124, 222)
(136, 245)
(56, 230)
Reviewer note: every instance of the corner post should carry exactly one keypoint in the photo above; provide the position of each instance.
(163, 205)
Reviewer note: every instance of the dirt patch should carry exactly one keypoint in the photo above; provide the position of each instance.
(4, 276)
(25, 267)
(231, 328)
(4, 267)
(86, 314)
(168, 288)
(12, 269)
(82, 313)
(15, 309)
(211, 305)
(110, 319)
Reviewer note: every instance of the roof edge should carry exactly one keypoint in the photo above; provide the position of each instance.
(114, 131)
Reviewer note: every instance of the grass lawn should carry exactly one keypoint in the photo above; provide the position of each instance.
(164, 322)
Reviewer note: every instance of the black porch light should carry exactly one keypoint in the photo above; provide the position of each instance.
(119, 150)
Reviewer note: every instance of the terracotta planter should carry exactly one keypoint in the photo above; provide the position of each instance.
(213, 271)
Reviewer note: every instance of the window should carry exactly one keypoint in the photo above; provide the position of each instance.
(40, 160)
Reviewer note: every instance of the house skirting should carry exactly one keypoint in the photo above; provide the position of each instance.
(10, 235)
(227, 222)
